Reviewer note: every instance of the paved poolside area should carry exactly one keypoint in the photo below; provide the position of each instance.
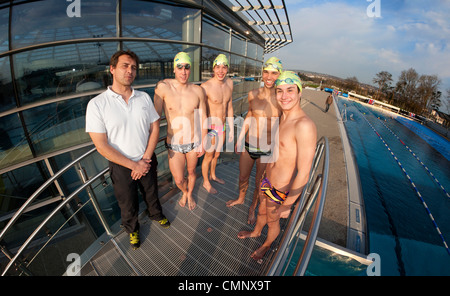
(334, 223)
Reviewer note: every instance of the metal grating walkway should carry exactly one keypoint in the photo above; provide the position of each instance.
(202, 242)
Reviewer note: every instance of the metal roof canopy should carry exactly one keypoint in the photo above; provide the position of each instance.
(268, 19)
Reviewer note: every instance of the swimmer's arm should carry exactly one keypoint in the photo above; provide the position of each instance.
(245, 126)
(202, 111)
(158, 98)
(230, 120)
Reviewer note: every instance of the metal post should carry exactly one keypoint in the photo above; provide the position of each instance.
(94, 201)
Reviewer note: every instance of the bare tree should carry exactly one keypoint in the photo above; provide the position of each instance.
(428, 91)
(406, 87)
(384, 80)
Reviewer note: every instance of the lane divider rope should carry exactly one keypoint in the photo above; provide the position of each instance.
(413, 185)
(417, 158)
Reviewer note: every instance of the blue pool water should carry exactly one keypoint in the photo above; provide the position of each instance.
(400, 229)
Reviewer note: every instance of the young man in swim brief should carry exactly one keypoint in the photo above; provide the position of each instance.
(285, 178)
(219, 90)
(262, 116)
(182, 101)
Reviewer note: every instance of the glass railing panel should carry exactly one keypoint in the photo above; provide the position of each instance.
(17, 186)
(65, 233)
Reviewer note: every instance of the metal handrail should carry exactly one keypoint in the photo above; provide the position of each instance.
(54, 212)
(295, 224)
(40, 190)
(44, 186)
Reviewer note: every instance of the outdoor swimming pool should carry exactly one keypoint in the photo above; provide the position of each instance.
(404, 169)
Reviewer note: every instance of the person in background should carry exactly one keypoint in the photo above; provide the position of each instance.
(328, 102)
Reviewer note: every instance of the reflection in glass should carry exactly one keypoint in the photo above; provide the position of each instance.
(19, 184)
(237, 66)
(259, 53)
(251, 50)
(98, 18)
(57, 126)
(238, 45)
(13, 144)
(7, 92)
(250, 68)
(62, 70)
(155, 20)
(215, 35)
(4, 21)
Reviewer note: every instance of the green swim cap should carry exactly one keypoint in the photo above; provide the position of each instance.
(273, 64)
(289, 77)
(221, 60)
(182, 58)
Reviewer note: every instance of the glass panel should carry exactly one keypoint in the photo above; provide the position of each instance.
(250, 68)
(237, 45)
(102, 188)
(62, 70)
(237, 66)
(4, 21)
(98, 18)
(7, 92)
(25, 226)
(159, 21)
(251, 50)
(13, 144)
(57, 126)
(260, 53)
(18, 185)
(215, 35)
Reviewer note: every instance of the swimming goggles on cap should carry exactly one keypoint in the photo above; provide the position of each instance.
(274, 66)
(287, 81)
(186, 66)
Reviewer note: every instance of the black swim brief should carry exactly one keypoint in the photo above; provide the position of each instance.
(256, 153)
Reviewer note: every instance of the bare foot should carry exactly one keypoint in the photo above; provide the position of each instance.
(218, 180)
(251, 216)
(260, 252)
(234, 202)
(209, 188)
(182, 201)
(246, 234)
(191, 203)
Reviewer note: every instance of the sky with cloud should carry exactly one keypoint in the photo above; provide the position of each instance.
(341, 39)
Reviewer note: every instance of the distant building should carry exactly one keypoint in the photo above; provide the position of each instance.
(441, 118)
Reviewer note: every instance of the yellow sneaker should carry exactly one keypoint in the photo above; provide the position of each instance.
(164, 223)
(134, 240)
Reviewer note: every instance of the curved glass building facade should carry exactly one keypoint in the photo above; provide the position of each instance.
(54, 58)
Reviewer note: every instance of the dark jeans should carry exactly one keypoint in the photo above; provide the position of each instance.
(126, 192)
